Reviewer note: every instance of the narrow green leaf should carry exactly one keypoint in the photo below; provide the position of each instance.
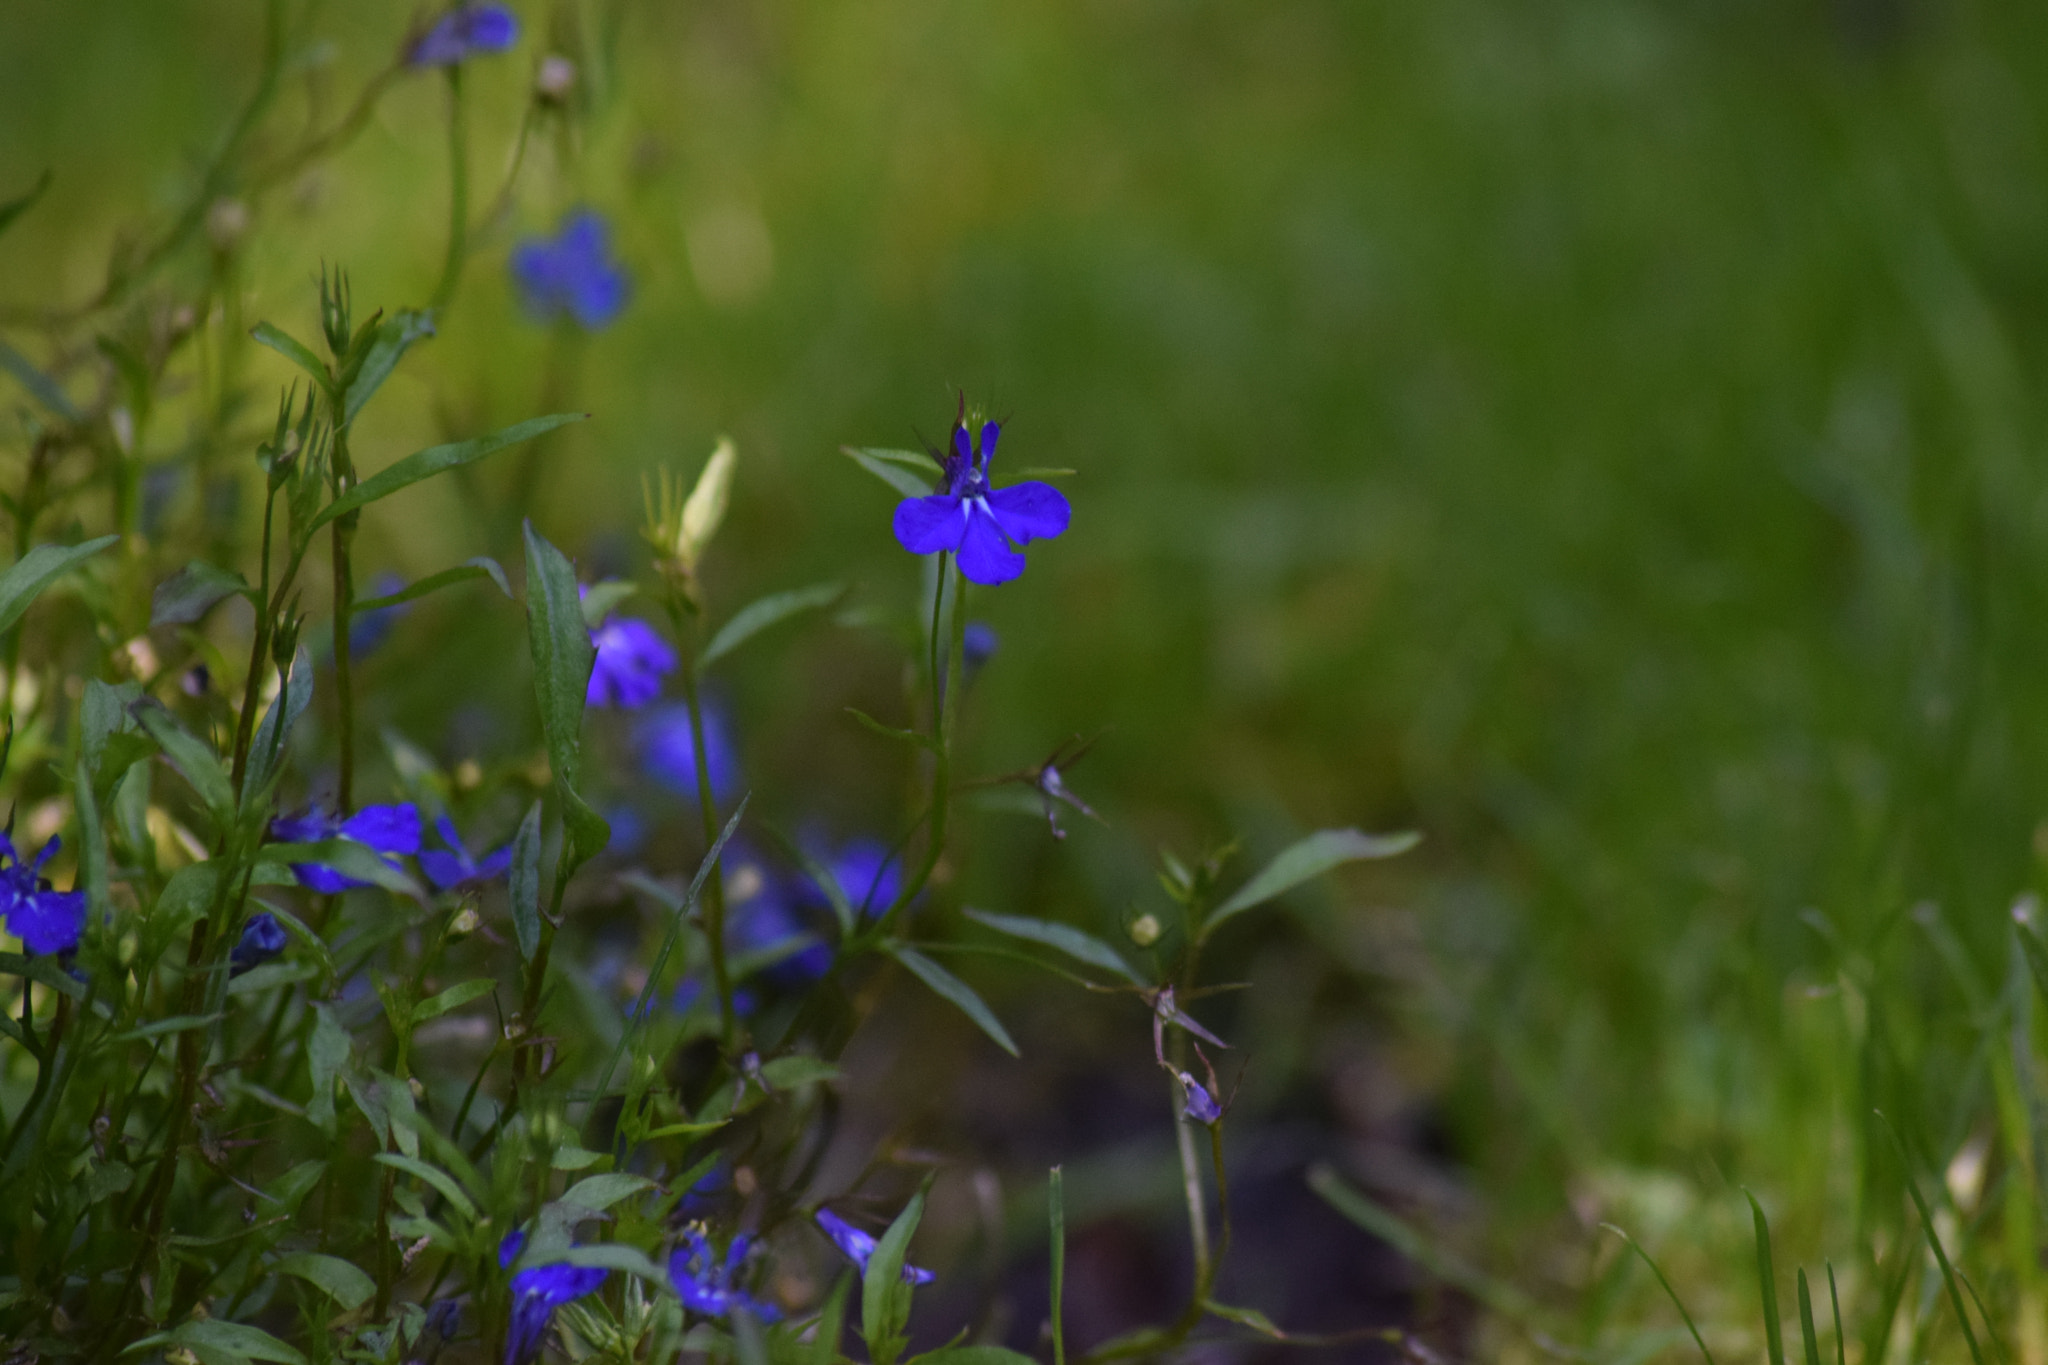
(1311, 857)
(20, 204)
(347, 857)
(1056, 1209)
(157, 1028)
(787, 1073)
(1245, 1317)
(602, 1191)
(235, 1339)
(885, 1298)
(1669, 1292)
(765, 612)
(193, 591)
(395, 335)
(603, 597)
(909, 473)
(482, 566)
(326, 1054)
(102, 714)
(562, 659)
(1841, 1337)
(454, 998)
(294, 350)
(1809, 1339)
(1073, 942)
(343, 1282)
(824, 879)
(37, 569)
(868, 722)
(434, 1176)
(955, 990)
(192, 756)
(1363, 1210)
(1767, 1279)
(615, 1256)
(267, 746)
(41, 387)
(525, 878)
(1948, 1271)
(434, 460)
(2036, 954)
(972, 1355)
(42, 970)
(831, 1325)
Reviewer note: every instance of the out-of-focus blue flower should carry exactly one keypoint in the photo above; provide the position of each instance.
(464, 32)
(705, 1194)
(369, 629)
(667, 755)
(262, 939)
(690, 990)
(1197, 1104)
(629, 831)
(866, 872)
(987, 526)
(632, 659)
(707, 1286)
(977, 646)
(454, 867)
(536, 1293)
(444, 1319)
(860, 1248)
(571, 273)
(390, 830)
(45, 920)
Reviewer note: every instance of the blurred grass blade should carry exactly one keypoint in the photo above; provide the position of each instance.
(294, 350)
(1056, 1207)
(873, 726)
(20, 204)
(41, 387)
(1363, 1210)
(1841, 1338)
(36, 570)
(424, 464)
(266, 748)
(1669, 1292)
(525, 884)
(344, 1283)
(1767, 1279)
(483, 566)
(562, 660)
(1809, 1339)
(957, 991)
(884, 1295)
(1310, 857)
(831, 1324)
(1082, 947)
(765, 612)
(2035, 952)
(1948, 1271)
(193, 591)
(911, 474)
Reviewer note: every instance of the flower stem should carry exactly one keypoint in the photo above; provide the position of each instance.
(344, 598)
(458, 193)
(714, 885)
(945, 667)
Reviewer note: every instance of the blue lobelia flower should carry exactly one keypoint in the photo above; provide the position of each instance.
(866, 871)
(632, 659)
(390, 830)
(987, 526)
(860, 1247)
(262, 939)
(536, 1293)
(1197, 1104)
(571, 273)
(977, 646)
(708, 1286)
(45, 920)
(452, 868)
(464, 32)
(369, 629)
(667, 755)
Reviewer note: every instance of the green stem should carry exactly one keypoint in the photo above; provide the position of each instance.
(714, 886)
(342, 533)
(458, 193)
(944, 674)
(259, 646)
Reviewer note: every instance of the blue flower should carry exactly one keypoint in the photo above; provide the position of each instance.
(262, 939)
(632, 659)
(977, 646)
(454, 867)
(663, 737)
(45, 921)
(465, 32)
(390, 830)
(369, 629)
(691, 989)
(572, 273)
(866, 871)
(987, 526)
(536, 1293)
(860, 1247)
(706, 1286)
(1197, 1104)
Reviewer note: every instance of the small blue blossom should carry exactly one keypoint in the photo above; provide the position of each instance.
(262, 939)
(369, 629)
(536, 1293)
(867, 873)
(454, 868)
(390, 830)
(860, 1248)
(45, 920)
(667, 755)
(629, 831)
(977, 646)
(988, 527)
(571, 273)
(1197, 1104)
(691, 989)
(444, 1319)
(632, 659)
(465, 32)
(710, 1287)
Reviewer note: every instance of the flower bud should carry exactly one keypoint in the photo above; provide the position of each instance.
(1144, 930)
(555, 79)
(705, 508)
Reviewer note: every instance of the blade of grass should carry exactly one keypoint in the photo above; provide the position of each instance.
(1767, 1278)
(1056, 1205)
(1835, 1299)
(1669, 1292)
(1808, 1338)
(1948, 1271)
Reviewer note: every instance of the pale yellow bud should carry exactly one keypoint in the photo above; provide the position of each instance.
(1144, 930)
(705, 508)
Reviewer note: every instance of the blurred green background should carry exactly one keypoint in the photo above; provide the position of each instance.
(1603, 436)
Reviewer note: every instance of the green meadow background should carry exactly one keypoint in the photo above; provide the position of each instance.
(1603, 436)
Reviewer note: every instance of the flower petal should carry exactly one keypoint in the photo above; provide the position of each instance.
(1030, 511)
(48, 921)
(445, 870)
(964, 444)
(984, 555)
(388, 829)
(989, 432)
(927, 525)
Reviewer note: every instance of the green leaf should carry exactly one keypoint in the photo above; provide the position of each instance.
(395, 335)
(434, 460)
(103, 714)
(434, 1176)
(42, 970)
(1767, 1278)
(193, 591)
(193, 757)
(1808, 1338)
(1363, 1210)
(884, 1297)
(562, 658)
(525, 878)
(1056, 1211)
(602, 1191)
(2036, 953)
(1948, 1271)
(267, 746)
(955, 990)
(343, 1282)
(44, 389)
(787, 1073)
(294, 350)
(1067, 939)
(911, 474)
(157, 1028)
(454, 998)
(1672, 1294)
(868, 722)
(326, 1054)
(15, 207)
(602, 597)
(1246, 1317)
(483, 566)
(764, 612)
(1311, 857)
(972, 1355)
(37, 569)
(347, 857)
(210, 1337)
(615, 1256)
